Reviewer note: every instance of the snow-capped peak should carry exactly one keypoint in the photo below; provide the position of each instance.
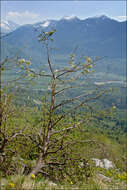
(99, 16)
(4, 26)
(7, 26)
(69, 17)
(45, 24)
(5, 22)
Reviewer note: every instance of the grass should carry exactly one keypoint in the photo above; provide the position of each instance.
(23, 183)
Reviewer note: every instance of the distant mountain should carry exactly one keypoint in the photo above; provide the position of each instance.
(95, 36)
(7, 26)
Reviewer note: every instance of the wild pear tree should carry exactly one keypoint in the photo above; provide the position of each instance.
(56, 136)
(54, 140)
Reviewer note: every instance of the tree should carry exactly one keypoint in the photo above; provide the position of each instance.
(9, 132)
(55, 137)
(55, 140)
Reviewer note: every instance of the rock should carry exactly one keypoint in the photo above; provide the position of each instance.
(98, 162)
(104, 163)
(104, 178)
(107, 164)
(52, 184)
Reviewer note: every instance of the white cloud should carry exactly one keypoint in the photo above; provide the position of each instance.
(25, 17)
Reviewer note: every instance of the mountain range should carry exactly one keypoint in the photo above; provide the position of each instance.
(7, 26)
(95, 36)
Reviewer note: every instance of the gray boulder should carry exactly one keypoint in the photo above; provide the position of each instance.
(104, 163)
(104, 178)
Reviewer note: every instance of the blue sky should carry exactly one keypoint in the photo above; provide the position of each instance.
(23, 12)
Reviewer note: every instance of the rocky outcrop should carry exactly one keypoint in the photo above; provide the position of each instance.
(104, 163)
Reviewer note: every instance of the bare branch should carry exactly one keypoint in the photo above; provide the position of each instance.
(54, 152)
(68, 71)
(76, 107)
(68, 129)
(70, 100)
(39, 74)
(15, 135)
(58, 92)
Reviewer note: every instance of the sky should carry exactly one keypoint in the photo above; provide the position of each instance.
(29, 12)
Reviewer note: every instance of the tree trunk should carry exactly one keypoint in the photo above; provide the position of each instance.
(39, 165)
